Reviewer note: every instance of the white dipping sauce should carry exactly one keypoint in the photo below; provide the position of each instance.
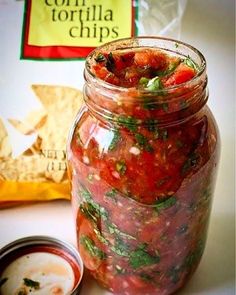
(53, 273)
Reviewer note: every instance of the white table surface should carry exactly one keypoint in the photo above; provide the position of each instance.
(210, 27)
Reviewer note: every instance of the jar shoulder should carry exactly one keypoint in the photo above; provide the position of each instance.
(202, 128)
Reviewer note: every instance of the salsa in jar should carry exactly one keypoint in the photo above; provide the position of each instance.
(143, 155)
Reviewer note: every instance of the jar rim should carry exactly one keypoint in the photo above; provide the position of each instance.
(102, 83)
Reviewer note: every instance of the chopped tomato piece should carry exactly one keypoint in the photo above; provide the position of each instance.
(150, 58)
(183, 73)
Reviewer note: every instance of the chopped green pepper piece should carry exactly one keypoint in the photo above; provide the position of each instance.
(144, 81)
(154, 84)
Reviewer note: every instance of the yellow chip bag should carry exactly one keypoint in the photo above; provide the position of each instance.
(39, 172)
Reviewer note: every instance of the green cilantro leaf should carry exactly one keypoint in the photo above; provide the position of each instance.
(165, 204)
(116, 138)
(113, 229)
(128, 122)
(190, 63)
(142, 141)
(193, 257)
(171, 68)
(140, 257)
(110, 64)
(92, 248)
(111, 194)
(92, 208)
(100, 58)
(120, 248)
(32, 284)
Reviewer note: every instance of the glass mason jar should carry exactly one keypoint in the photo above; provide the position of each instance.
(143, 167)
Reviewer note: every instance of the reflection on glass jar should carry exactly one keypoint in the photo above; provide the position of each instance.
(143, 165)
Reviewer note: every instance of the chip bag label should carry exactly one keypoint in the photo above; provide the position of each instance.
(62, 29)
